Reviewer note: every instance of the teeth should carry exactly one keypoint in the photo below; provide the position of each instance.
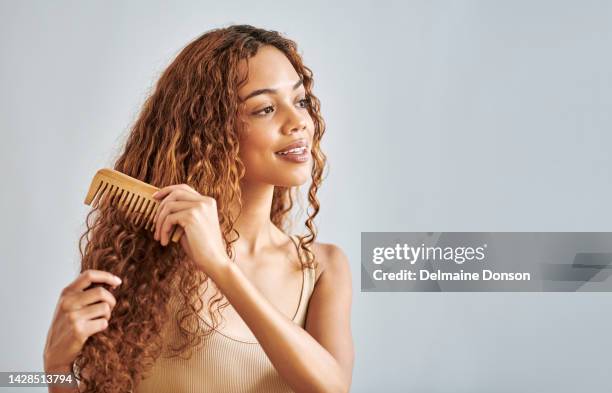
(297, 150)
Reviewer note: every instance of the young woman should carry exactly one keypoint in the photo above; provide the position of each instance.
(229, 134)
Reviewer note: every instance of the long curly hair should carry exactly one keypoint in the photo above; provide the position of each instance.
(187, 132)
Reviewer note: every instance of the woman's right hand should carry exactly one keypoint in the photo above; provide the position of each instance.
(79, 314)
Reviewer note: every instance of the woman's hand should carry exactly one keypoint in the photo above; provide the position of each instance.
(197, 214)
(80, 313)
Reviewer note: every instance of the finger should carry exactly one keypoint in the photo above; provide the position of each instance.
(94, 326)
(170, 207)
(177, 195)
(95, 295)
(168, 189)
(100, 310)
(166, 199)
(91, 276)
(176, 218)
(162, 192)
(166, 228)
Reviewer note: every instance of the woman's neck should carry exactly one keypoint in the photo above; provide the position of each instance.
(256, 230)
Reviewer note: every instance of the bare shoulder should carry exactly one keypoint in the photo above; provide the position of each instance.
(331, 260)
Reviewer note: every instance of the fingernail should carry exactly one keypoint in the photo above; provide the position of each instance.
(118, 280)
(155, 193)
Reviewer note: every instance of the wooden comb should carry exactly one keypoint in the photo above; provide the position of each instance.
(132, 196)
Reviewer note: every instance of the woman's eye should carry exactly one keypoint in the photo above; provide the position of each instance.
(266, 110)
(263, 111)
(305, 102)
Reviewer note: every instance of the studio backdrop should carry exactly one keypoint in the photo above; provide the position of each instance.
(441, 117)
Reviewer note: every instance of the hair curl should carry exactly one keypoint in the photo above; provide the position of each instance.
(186, 132)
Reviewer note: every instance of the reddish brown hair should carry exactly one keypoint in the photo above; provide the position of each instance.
(187, 132)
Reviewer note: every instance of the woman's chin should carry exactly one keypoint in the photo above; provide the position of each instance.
(290, 184)
(293, 181)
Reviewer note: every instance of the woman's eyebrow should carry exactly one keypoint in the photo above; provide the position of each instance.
(270, 91)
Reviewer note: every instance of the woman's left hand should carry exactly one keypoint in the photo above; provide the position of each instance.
(197, 214)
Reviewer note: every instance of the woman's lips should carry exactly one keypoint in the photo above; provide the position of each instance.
(298, 155)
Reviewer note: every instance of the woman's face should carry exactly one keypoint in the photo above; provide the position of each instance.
(276, 116)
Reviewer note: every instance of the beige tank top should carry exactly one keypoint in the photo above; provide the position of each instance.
(222, 362)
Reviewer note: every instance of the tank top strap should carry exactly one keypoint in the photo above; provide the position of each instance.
(309, 275)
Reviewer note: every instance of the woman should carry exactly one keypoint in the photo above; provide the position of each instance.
(229, 134)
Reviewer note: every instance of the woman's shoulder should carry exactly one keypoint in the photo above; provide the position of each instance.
(331, 259)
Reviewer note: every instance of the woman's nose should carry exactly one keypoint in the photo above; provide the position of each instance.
(296, 121)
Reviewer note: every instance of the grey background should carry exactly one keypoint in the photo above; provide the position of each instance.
(442, 116)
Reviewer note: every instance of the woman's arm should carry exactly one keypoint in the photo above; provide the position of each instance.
(318, 359)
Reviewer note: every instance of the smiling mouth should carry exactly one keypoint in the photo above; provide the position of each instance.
(295, 151)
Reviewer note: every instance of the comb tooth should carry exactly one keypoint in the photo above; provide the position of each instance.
(117, 196)
(127, 200)
(133, 203)
(108, 199)
(104, 196)
(149, 214)
(123, 207)
(143, 211)
(137, 205)
(126, 195)
(93, 191)
(140, 211)
(128, 203)
(150, 222)
(99, 194)
(111, 196)
(130, 211)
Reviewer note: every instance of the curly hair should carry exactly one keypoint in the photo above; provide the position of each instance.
(187, 132)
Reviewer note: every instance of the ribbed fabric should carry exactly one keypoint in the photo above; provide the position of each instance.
(222, 363)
